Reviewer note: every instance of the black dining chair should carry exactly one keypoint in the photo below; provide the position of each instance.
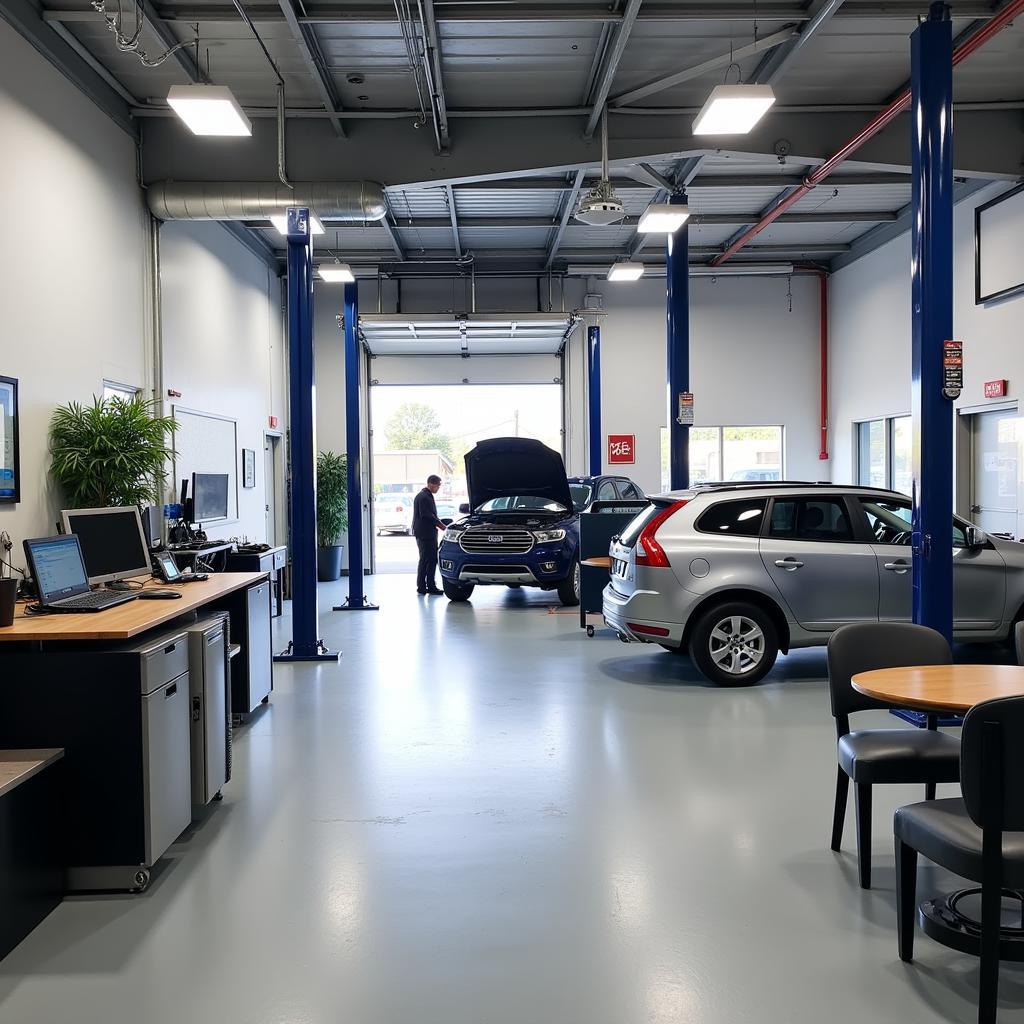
(883, 756)
(979, 836)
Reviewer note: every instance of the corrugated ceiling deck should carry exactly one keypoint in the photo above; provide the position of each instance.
(470, 334)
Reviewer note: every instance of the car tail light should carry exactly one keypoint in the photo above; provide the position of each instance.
(648, 550)
(638, 627)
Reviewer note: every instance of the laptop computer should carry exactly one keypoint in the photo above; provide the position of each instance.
(58, 568)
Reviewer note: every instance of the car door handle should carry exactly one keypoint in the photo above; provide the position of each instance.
(898, 567)
(789, 564)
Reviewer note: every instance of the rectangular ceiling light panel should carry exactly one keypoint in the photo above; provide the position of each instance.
(733, 109)
(209, 110)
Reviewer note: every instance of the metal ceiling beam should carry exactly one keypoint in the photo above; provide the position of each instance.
(432, 59)
(568, 209)
(24, 17)
(387, 223)
(604, 82)
(647, 175)
(453, 220)
(774, 64)
(313, 58)
(253, 241)
(69, 37)
(696, 70)
(184, 57)
(795, 11)
(682, 175)
(701, 181)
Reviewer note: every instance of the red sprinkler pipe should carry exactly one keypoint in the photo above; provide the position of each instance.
(822, 171)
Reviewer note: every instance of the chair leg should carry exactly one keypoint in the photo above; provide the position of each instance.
(906, 898)
(864, 833)
(839, 815)
(991, 910)
(929, 791)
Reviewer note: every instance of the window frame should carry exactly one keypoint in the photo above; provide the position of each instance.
(118, 389)
(888, 445)
(765, 505)
(854, 513)
(721, 428)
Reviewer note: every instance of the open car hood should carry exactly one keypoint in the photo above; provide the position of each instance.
(505, 466)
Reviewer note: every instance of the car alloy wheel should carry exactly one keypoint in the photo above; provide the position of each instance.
(736, 645)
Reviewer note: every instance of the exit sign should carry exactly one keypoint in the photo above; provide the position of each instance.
(995, 389)
(621, 449)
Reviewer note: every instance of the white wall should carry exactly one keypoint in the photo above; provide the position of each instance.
(73, 269)
(223, 347)
(870, 334)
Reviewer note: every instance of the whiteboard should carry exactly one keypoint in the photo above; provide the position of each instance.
(999, 255)
(206, 443)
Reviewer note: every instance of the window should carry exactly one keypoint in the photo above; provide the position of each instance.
(730, 453)
(112, 389)
(890, 522)
(629, 490)
(738, 518)
(607, 492)
(885, 453)
(810, 519)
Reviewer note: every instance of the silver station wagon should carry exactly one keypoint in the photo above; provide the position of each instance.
(732, 574)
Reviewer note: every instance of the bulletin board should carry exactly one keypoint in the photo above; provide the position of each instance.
(206, 443)
(998, 254)
(10, 470)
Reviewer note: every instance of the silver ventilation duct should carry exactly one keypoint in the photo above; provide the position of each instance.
(258, 200)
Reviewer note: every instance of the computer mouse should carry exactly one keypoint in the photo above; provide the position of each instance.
(159, 595)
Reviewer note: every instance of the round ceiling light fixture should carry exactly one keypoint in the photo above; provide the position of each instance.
(601, 207)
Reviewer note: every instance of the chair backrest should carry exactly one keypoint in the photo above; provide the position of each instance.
(1002, 720)
(865, 646)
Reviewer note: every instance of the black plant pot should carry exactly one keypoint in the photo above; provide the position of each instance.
(328, 563)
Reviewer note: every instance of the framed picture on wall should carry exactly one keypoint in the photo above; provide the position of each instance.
(248, 467)
(10, 475)
(998, 258)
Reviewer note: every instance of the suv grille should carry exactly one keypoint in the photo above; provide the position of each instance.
(505, 542)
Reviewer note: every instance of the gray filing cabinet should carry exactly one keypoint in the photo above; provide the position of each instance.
(210, 707)
(252, 671)
(165, 741)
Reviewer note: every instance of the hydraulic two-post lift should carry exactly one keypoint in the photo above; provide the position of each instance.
(677, 294)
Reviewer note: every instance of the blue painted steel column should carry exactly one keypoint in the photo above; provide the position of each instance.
(305, 644)
(356, 600)
(931, 49)
(594, 395)
(677, 269)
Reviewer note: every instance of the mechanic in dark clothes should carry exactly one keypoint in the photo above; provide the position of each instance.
(425, 525)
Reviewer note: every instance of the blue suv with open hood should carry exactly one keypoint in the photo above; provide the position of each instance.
(522, 528)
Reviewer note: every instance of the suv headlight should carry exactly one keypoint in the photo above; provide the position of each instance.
(548, 536)
(452, 536)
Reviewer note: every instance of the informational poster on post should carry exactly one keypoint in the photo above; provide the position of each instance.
(952, 368)
(684, 416)
(10, 482)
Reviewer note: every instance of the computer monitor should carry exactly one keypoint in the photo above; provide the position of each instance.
(209, 496)
(113, 544)
(57, 567)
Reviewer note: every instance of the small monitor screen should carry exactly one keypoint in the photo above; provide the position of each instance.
(210, 496)
(113, 545)
(57, 563)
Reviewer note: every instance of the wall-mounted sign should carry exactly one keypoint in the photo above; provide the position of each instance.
(621, 449)
(10, 479)
(952, 368)
(995, 389)
(684, 417)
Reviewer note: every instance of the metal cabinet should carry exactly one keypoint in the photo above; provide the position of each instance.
(210, 707)
(252, 671)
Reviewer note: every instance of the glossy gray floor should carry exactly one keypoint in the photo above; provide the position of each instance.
(480, 815)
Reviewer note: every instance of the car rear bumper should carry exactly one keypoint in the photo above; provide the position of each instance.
(635, 617)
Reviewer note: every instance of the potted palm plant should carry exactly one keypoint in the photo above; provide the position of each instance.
(331, 513)
(111, 453)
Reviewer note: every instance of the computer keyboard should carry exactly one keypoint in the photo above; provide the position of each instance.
(95, 599)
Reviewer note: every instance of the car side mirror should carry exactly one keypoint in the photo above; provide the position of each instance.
(446, 521)
(464, 509)
(975, 538)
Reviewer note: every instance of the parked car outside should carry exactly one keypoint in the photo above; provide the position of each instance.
(734, 573)
(392, 513)
(522, 526)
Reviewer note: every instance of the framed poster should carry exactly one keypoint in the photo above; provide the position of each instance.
(10, 476)
(248, 467)
(998, 256)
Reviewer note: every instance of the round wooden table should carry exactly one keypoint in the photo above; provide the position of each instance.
(955, 688)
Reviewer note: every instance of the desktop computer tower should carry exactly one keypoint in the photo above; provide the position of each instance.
(210, 706)
(153, 525)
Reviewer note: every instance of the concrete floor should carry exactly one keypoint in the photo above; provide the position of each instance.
(482, 817)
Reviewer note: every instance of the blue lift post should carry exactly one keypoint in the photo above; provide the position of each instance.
(931, 119)
(356, 600)
(677, 268)
(594, 396)
(304, 645)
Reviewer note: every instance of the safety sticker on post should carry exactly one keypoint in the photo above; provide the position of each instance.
(952, 368)
(685, 415)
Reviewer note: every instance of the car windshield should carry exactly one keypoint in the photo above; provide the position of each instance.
(521, 503)
(581, 494)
